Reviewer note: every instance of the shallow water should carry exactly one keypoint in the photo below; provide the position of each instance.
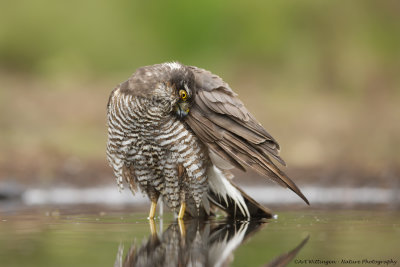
(103, 236)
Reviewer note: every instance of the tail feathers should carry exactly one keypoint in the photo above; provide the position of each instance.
(231, 199)
(255, 210)
(224, 191)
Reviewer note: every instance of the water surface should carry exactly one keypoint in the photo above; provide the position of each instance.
(104, 236)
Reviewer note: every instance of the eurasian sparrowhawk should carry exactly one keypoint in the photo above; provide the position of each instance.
(175, 131)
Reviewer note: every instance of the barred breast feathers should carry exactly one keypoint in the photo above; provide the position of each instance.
(132, 118)
(117, 129)
(127, 118)
(186, 149)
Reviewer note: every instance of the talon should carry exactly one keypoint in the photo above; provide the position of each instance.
(152, 210)
(182, 211)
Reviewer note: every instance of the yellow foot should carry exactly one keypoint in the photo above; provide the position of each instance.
(152, 210)
(182, 211)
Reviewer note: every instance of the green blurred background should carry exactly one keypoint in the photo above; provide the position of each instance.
(322, 76)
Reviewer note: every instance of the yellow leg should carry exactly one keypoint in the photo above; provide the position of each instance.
(182, 228)
(181, 222)
(182, 211)
(153, 228)
(152, 210)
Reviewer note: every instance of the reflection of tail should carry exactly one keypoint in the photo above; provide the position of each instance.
(286, 258)
(231, 199)
(224, 242)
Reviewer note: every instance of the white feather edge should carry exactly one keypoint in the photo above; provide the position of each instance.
(173, 65)
(222, 187)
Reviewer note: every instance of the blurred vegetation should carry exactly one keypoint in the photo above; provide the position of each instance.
(339, 41)
(322, 76)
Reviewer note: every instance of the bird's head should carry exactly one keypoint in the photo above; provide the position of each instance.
(169, 86)
(182, 82)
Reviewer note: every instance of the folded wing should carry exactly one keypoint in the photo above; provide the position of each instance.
(221, 121)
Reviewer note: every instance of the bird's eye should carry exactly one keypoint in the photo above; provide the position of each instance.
(183, 94)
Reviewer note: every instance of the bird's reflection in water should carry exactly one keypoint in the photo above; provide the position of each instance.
(195, 243)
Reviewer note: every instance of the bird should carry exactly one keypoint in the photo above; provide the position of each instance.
(176, 131)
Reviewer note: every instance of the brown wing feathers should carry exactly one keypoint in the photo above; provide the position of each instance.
(209, 132)
(221, 121)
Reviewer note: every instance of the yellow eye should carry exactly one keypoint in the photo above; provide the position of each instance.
(183, 94)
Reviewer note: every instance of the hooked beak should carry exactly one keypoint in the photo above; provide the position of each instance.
(182, 109)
